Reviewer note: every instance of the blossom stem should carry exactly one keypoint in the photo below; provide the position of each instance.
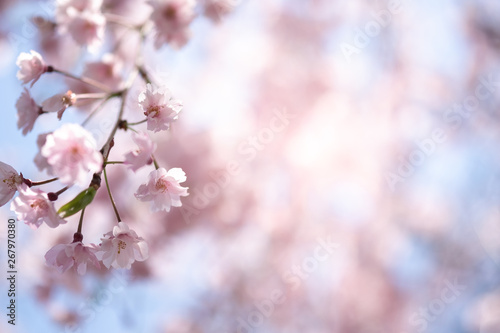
(137, 123)
(80, 223)
(44, 182)
(93, 113)
(133, 130)
(155, 162)
(144, 74)
(117, 19)
(62, 190)
(111, 196)
(110, 142)
(91, 96)
(113, 162)
(123, 95)
(82, 79)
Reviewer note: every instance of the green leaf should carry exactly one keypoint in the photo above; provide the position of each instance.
(82, 200)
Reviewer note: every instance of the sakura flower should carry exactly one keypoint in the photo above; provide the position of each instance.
(34, 207)
(163, 189)
(142, 156)
(159, 107)
(31, 67)
(40, 160)
(77, 255)
(86, 28)
(217, 9)
(65, 7)
(71, 152)
(172, 19)
(27, 112)
(9, 179)
(58, 103)
(121, 247)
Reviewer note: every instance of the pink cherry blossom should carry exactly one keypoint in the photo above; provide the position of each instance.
(9, 180)
(121, 247)
(34, 207)
(159, 107)
(172, 19)
(27, 112)
(86, 28)
(163, 189)
(77, 255)
(71, 151)
(40, 160)
(58, 103)
(83, 20)
(31, 67)
(65, 6)
(142, 156)
(217, 9)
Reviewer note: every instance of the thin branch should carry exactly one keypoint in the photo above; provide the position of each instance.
(111, 196)
(80, 223)
(91, 96)
(144, 74)
(93, 113)
(120, 20)
(137, 123)
(82, 79)
(155, 162)
(44, 182)
(62, 190)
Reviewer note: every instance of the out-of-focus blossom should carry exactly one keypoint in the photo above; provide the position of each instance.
(87, 28)
(83, 20)
(31, 67)
(9, 179)
(217, 9)
(107, 71)
(121, 247)
(27, 112)
(172, 19)
(58, 103)
(57, 48)
(40, 160)
(64, 7)
(159, 107)
(163, 189)
(77, 255)
(142, 156)
(34, 207)
(71, 151)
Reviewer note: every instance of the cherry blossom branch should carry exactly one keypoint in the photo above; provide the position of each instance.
(114, 162)
(111, 196)
(109, 143)
(119, 120)
(82, 79)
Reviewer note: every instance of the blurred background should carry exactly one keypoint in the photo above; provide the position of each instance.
(342, 163)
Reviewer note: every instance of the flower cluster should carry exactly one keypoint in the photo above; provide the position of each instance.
(70, 153)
